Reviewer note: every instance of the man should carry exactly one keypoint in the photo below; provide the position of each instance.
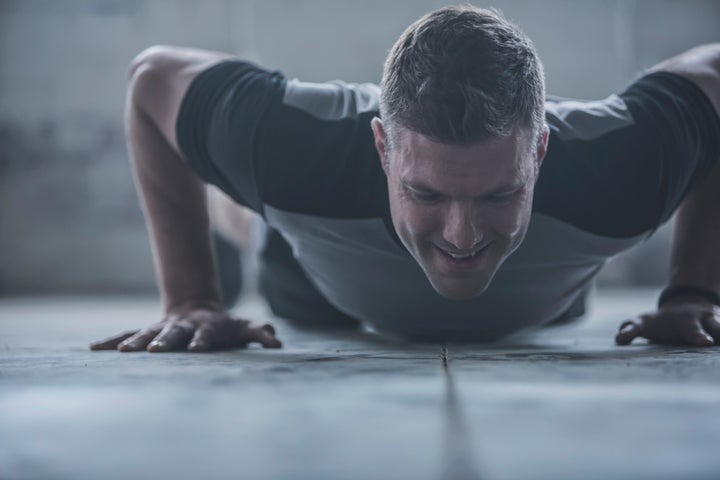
(451, 203)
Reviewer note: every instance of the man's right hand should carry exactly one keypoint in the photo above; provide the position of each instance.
(195, 330)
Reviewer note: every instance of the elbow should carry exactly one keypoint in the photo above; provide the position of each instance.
(148, 76)
(150, 57)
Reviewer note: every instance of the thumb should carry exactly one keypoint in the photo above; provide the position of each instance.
(629, 330)
(266, 336)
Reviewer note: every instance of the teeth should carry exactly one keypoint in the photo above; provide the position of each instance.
(458, 257)
(461, 257)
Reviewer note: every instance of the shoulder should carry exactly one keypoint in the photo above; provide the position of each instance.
(317, 151)
(620, 166)
(334, 100)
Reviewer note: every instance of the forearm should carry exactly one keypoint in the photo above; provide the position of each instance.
(175, 208)
(695, 257)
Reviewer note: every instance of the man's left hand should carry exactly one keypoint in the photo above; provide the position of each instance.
(687, 323)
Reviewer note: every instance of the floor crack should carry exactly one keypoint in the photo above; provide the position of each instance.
(444, 356)
(459, 462)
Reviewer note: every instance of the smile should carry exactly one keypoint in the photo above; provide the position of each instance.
(461, 256)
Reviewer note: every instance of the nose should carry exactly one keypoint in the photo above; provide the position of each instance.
(460, 230)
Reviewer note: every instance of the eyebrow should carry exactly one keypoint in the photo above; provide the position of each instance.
(420, 187)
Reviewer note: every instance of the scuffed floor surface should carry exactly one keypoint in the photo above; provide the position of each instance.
(563, 404)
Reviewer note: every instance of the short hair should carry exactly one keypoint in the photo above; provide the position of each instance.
(460, 75)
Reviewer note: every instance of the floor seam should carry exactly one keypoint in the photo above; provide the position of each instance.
(458, 462)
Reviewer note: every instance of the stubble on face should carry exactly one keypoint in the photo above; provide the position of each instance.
(461, 210)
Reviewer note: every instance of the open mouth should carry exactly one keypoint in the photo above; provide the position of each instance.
(461, 257)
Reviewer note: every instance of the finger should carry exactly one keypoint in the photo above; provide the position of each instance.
(219, 339)
(111, 343)
(139, 341)
(266, 336)
(712, 326)
(696, 336)
(629, 331)
(202, 340)
(173, 337)
(214, 339)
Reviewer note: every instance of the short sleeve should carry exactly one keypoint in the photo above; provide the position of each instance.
(218, 124)
(296, 146)
(621, 166)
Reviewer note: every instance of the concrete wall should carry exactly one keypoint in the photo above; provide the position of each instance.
(69, 218)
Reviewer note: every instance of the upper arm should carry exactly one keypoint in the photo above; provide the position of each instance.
(159, 78)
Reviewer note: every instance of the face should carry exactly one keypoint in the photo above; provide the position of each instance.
(460, 210)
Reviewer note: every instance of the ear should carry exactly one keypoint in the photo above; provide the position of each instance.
(541, 148)
(381, 143)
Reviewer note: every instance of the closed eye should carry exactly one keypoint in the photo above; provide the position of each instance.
(422, 196)
(427, 197)
(505, 197)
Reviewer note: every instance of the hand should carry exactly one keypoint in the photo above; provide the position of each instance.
(688, 323)
(195, 329)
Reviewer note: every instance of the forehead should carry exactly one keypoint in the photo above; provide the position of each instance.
(461, 169)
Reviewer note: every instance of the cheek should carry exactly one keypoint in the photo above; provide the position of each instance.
(511, 221)
(412, 219)
(419, 220)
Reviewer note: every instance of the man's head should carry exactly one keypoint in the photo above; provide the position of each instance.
(461, 139)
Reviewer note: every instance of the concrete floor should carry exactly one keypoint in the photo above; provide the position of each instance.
(564, 404)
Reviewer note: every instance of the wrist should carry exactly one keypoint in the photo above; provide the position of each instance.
(186, 306)
(684, 294)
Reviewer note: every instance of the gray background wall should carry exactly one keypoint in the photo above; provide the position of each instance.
(69, 218)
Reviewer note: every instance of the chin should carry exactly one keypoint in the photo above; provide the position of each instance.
(458, 289)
